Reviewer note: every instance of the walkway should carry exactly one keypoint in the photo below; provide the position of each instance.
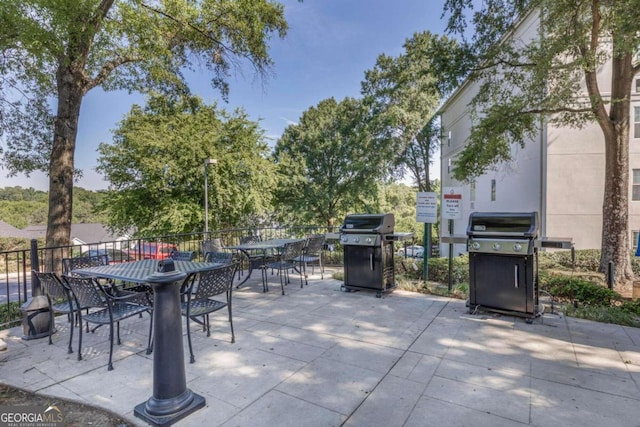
(322, 357)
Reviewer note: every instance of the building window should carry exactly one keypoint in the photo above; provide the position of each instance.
(493, 190)
(637, 85)
(636, 122)
(634, 240)
(449, 167)
(449, 139)
(635, 192)
(472, 194)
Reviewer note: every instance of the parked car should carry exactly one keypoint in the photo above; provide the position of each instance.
(414, 251)
(114, 256)
(147, 250)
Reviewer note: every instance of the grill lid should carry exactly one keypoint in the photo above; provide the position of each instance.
(503, 224)
(368, 223)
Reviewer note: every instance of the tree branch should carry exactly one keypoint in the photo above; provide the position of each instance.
(198, 30)
(106, 70)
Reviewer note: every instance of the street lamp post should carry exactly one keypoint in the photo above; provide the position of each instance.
(206, 196)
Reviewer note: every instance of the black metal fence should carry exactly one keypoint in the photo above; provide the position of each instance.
(16, 265)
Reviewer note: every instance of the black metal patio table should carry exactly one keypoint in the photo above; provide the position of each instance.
(263, 247)
(171, 399)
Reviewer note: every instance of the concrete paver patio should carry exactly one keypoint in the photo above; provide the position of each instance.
(322, 357)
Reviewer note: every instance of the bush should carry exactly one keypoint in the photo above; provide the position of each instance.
(569, 288)
(439, 270)
(10, 313)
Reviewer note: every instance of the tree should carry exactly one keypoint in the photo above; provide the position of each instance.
(156, 188)
(60, 50)
(328, 165)
(403, 94)
(524, 84)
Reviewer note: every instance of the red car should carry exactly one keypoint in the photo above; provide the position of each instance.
(152, 250)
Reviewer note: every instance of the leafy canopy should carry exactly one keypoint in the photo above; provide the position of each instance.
(155, 168)
(328, 165)
(58, 50)
(402, 95)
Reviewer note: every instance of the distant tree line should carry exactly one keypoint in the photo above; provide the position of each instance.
(22, 207)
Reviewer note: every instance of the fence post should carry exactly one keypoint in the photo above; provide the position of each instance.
(35, 265)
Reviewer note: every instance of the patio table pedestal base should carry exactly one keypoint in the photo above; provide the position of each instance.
(171, 400)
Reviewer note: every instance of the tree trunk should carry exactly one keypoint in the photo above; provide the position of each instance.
(61, 168)
(615, 206)
(615, 211)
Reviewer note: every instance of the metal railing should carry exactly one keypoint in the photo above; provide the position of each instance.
(16, 265)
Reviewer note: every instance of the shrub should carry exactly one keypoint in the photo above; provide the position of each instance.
(439, 270)
(569, 288)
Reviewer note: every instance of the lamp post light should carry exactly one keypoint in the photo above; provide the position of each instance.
(206, 196)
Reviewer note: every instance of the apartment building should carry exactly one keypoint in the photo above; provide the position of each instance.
(559, 172)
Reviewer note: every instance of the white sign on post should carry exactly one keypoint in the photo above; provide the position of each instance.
(427, 207)
(452, 203)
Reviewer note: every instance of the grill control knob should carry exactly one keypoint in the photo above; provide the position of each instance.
(496, 246)
(369, 240)
(475, 245)
(517, 247)
(356, 239)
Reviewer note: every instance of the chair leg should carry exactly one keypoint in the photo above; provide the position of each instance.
(52, 324)
(80, 335)
(283, 279)
(110, 366)
(233, 335)
(192, 359)
(150, 342)
(70, 350)
(205, 318)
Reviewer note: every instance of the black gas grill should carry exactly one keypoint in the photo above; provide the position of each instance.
(367, 240)
(503, 262)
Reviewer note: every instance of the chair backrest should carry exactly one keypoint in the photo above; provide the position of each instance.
(213, 245)
(86, 291)
(182, 255)
(314, 245)
(253, 238)
(225, 257)
(292, 250)
(52, 286)
(213, 282)
(70, 264)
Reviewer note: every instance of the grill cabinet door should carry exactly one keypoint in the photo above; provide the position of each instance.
(362, 267)
(501, 282)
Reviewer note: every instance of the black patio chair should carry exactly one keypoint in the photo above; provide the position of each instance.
(110, 305)
(285, 261)
(60, 301)
(70, 264)
(222, 257)
(311, 254)
(182, 255)
(200, 302)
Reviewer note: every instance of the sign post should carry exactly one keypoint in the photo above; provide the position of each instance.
(451, 210)
(426, 212)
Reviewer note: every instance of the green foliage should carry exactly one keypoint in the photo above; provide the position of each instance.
(158, 189)
(439, 270)
(23, 207)
(10, 313)
(60, 50)
(402, 95)
(328, 165)
(569, 288)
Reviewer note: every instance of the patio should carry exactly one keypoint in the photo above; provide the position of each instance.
(322, 357)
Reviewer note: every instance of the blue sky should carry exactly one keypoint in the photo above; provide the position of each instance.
(329, 46)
